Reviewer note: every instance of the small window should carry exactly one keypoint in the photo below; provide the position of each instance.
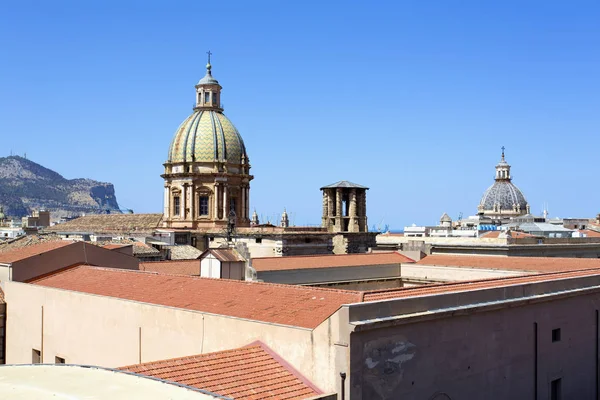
(211, 239)
(556, 389)
(258, 240)
(556, 335)
(36, 356)
(206, 97)
(59, 360)
(203, 208)
(176, 205)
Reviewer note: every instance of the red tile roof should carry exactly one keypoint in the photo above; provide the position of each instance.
(251, 372)
(18, 254)
(300, 306)
(327, 261)
(227, 255)
(387, 294)
(534, 264)
(113, 246)
(176, 267)
(491, 235)
(590, 233)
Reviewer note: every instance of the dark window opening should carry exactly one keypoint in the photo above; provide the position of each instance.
(176, 205)
(36, 356)
(232, 205)
(258, 240)
(59, 360)
(203, 208)
(556, 389)
(206, 97)
(211, 239)
(556, 335)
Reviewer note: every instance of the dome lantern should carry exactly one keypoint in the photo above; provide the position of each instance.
(208, 91)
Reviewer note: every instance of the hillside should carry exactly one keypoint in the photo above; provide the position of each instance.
(26, 186)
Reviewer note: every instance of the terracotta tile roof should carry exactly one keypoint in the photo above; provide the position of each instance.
(113, 246)
(183, 252)
(25, 241)
(300, 306)
(18, 254)
(590, 233)
(143, 249)
(176, 267)
(327, 261)
(533, 264)
(519, 235)
(227, 255)
(491, 235)
(387, 294)
(247, 373)
(110, 223)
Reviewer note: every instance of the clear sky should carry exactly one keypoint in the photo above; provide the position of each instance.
(411, 98)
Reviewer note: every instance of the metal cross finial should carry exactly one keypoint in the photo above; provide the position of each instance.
(503, 151)
(209, 54)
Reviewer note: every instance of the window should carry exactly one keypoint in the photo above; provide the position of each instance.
(36, 356)
(203, 208)
(176, 205)
(211, 239)
(258, 240)
(555, 389)
(556, 335)
(232, 205)
(206, 97)
(59, 360)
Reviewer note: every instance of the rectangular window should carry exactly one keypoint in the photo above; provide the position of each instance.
(203, 205)
(36, 356)
(206, 97)
(176, 205)
(556, 335)
(59, 360)
(258, 240)
(232, 205)
(556, 389)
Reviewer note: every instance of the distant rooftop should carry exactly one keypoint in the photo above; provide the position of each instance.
(344, 184)
(247, 373)
(110, 223)
(12, 255)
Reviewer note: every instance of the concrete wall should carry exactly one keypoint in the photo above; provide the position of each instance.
(66, 256)
(323, 275)
(436, 273)
(111, 332)
(489, 351)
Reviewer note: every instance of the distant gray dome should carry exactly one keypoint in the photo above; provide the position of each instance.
(505, 194)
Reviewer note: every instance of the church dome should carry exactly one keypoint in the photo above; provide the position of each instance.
(207, 136)
(503, 195)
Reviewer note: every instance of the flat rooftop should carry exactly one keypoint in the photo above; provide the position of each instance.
(327, 261)
(68, 382)
(526, 264)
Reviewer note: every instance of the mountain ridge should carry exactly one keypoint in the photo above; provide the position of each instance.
(26, 186)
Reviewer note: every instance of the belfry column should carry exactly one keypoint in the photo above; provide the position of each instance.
(338, 208)
(352, 212)
(182, 201)
(216, 202)
(192, 201)
(243, 205)
(325, 209)
(166, 205)
(225, 210)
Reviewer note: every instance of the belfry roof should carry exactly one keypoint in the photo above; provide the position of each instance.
(344, 184)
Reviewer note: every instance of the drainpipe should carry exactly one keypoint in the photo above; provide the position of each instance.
(343, 391)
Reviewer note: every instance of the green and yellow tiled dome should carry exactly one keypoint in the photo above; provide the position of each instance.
(207, 136)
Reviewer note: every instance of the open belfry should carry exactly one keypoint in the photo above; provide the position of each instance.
(345, 207)
(207, 174)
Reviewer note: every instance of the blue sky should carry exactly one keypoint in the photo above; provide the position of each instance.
(413, 99)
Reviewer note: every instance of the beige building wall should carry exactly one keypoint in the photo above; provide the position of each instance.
(111, 332)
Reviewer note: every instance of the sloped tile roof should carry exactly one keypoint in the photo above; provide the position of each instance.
(299, 306)
(110, 223)
(590, 233)
(246, 373)
(327, 261)
(18, 254)
(532, 264)
(345, 185)
(177, 267)
(183, 252)
(227, 255)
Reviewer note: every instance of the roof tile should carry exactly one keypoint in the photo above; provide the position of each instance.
(251, 372)
(328, 261)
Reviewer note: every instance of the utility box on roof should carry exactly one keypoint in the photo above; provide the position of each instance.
(222, 263)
